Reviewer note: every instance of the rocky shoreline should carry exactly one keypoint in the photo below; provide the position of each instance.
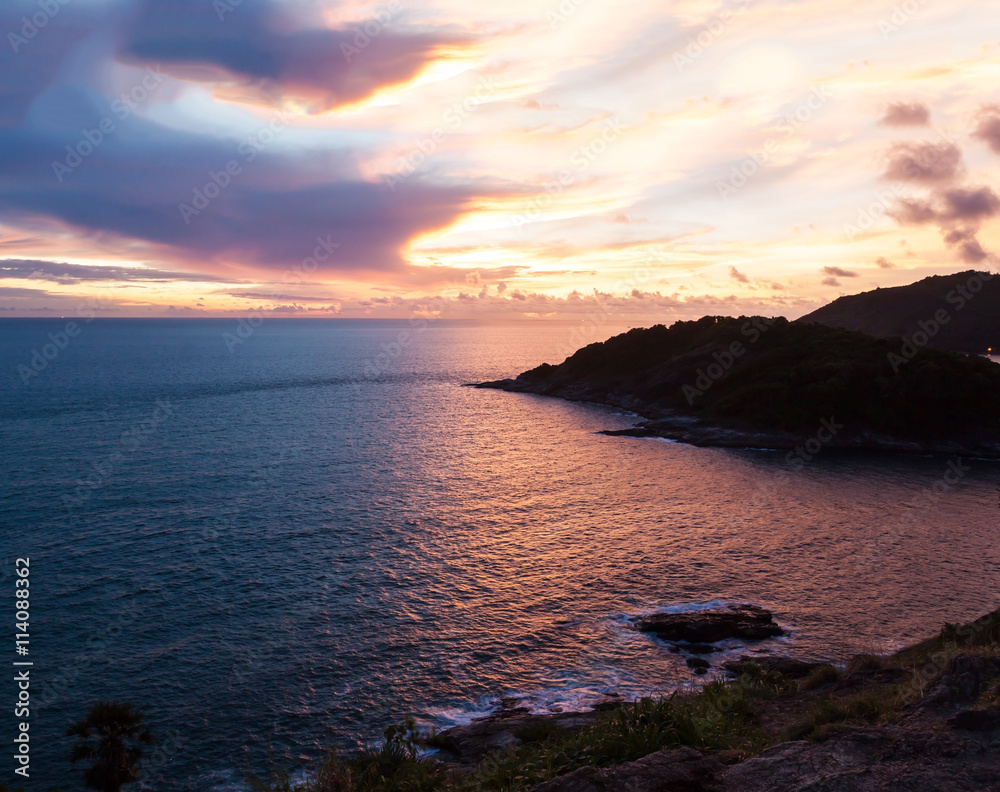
(755, 382)
(926, 719)
(692, 430)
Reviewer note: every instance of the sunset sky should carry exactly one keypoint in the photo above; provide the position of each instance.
(659, 160)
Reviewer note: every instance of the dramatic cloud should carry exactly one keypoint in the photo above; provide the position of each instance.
(30, 58)
(923, 162)
(902, 114)
(968, 247)
(276, 296)
(837, 272)
(275, 210)
(248, 159)
(266, 55)
(738, 276)
(988, 129)
(21, 269)
(958, 211)
(950, 205)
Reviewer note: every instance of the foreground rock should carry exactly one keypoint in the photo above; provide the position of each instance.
(678, 770)
(872, 759)
(745, 622)
(926, 719)
(509, 727)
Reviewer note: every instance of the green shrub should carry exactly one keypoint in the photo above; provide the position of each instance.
(876, 707)
(819, 676)
(720, 717)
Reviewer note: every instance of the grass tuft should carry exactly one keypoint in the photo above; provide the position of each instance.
(819, 676)
(878, 706)
(720, 717)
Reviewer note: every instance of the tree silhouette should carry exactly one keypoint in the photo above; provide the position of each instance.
(110, 737)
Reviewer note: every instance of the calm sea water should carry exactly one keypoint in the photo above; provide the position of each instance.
(288, 545)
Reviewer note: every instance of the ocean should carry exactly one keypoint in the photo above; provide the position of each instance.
(282, 538)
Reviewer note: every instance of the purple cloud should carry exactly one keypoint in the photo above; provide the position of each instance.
(265, 53)
(949, 205)
(965, 243)
(902, 114)
(923, 162)
(837, 272)
(270, 214)
(988, 129)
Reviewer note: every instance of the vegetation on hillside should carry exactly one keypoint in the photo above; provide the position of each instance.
(970, 302)
(740, 718)
(770, 374)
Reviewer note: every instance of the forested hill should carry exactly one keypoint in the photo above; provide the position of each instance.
(959, 312)
(761, 375)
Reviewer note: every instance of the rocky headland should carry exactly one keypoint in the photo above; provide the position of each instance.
(754, 382)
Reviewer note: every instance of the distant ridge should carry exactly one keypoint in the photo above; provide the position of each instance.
(970, 301)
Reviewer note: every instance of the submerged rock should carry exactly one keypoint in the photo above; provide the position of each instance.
(698, 664)
(695, 648)
(746, 622)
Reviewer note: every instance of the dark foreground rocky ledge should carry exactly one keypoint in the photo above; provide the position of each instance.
(926, 719)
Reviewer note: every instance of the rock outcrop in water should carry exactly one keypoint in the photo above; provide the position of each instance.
(926, 719)
(746, 622)
(756, 382)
